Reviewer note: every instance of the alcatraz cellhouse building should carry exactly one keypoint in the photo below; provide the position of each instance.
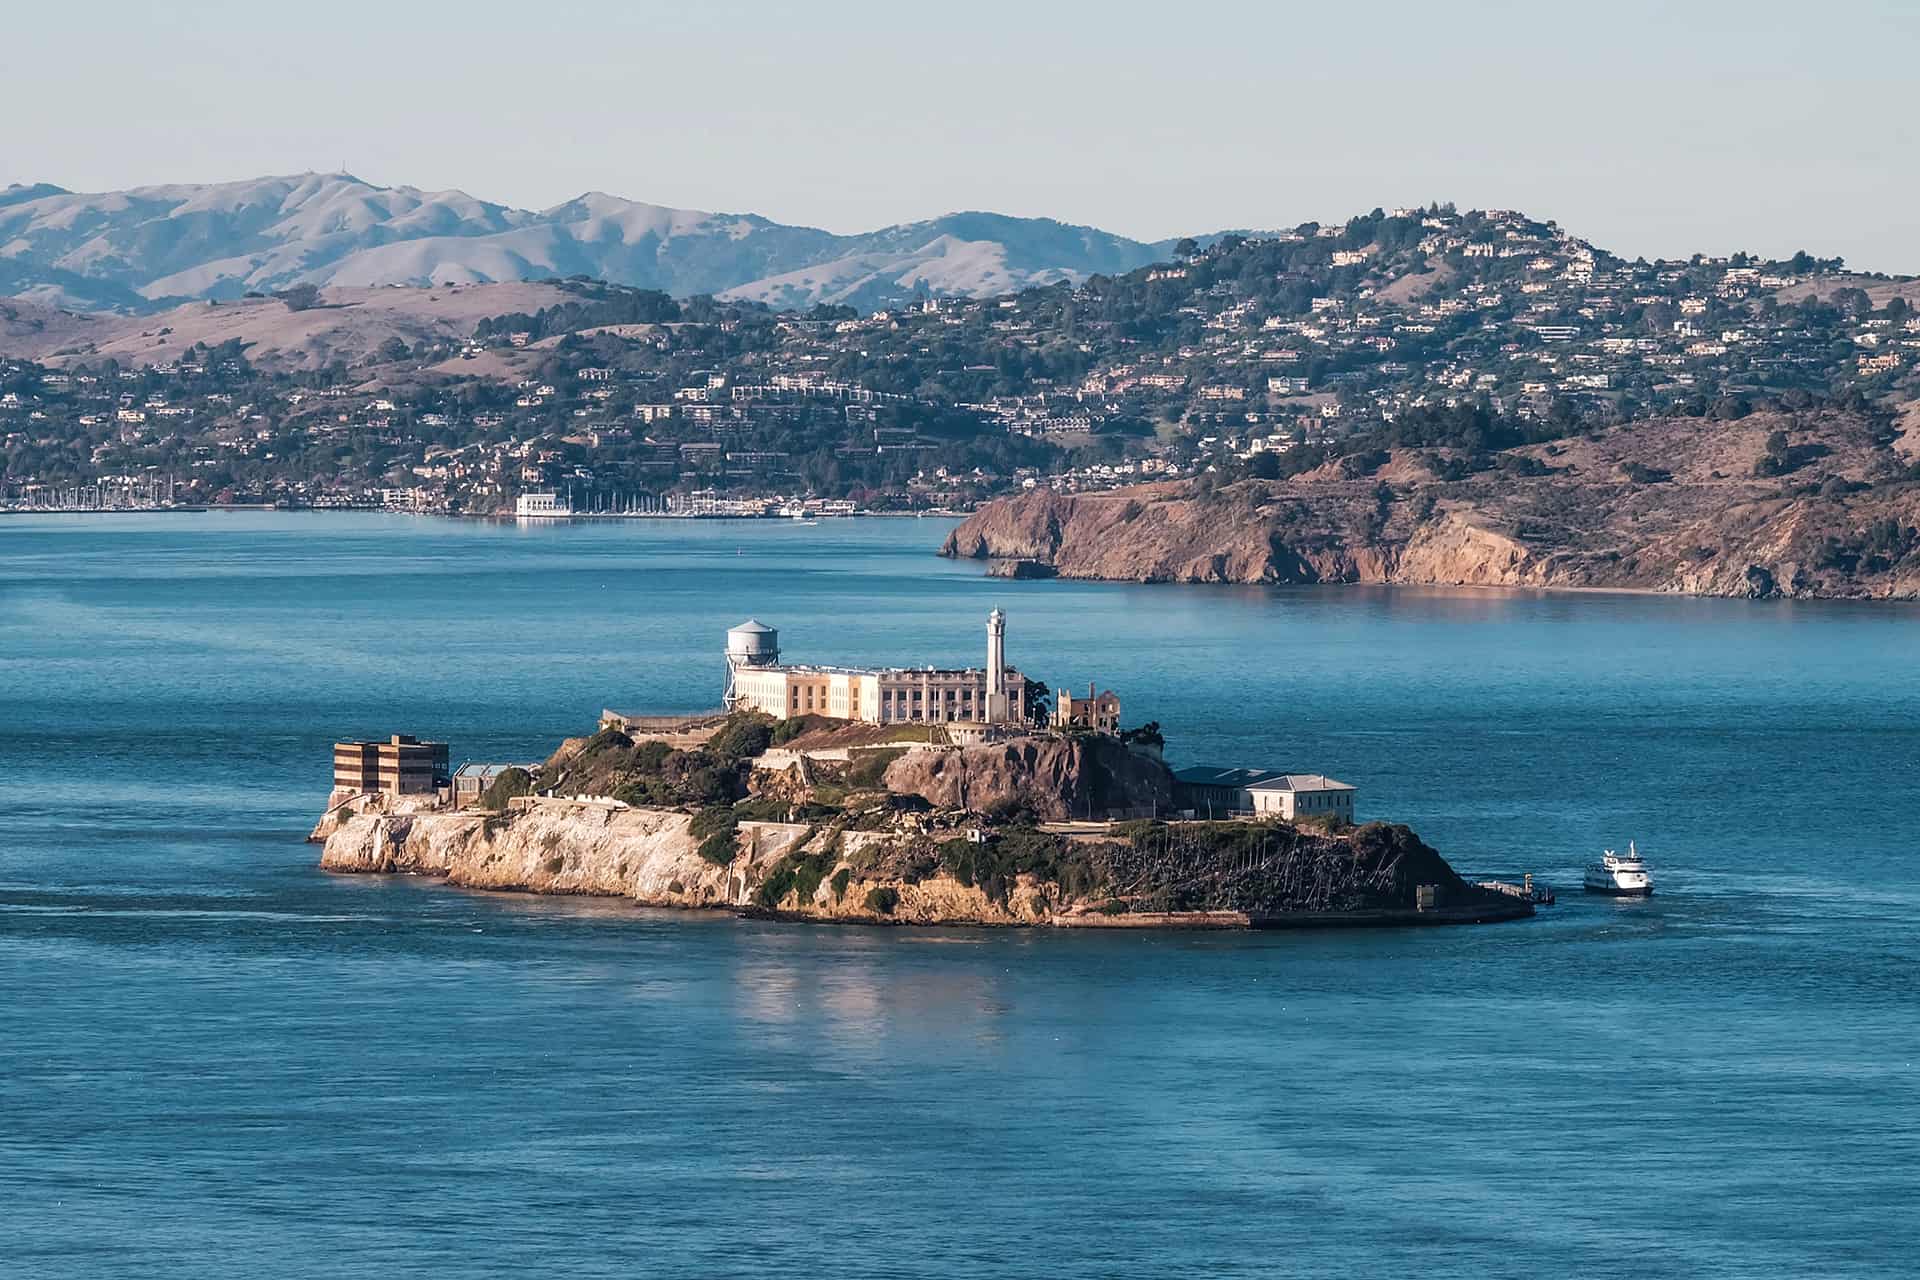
(759, 681)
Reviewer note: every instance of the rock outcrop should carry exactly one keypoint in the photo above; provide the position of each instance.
(342, 806)
(651, 857)
(1053, 779)
(555, 847)
(1684, 505)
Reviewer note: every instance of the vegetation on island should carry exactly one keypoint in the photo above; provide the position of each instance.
(655, 773)
(713, 776)
(511, 784)
(1259, 867)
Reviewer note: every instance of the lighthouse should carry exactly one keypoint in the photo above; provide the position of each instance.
(997, 710)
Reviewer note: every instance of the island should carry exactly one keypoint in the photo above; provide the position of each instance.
(906, 795)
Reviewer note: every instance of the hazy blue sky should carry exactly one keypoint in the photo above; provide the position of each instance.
(1649, 128)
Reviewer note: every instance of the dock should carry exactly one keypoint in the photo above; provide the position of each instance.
(1526, 890)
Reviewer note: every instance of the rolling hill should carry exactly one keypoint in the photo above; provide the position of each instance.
(151, 247)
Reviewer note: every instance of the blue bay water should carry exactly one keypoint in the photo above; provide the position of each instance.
(216, 1060)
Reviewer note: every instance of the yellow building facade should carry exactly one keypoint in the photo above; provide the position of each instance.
(759, 681)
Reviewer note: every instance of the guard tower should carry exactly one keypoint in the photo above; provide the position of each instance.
(997, 710)
(750, 644)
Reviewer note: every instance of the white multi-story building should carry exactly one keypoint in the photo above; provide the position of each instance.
(541, 506)
(759, 681)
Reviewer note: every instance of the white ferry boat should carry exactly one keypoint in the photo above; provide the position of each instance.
(542, 506)
(1622, 875)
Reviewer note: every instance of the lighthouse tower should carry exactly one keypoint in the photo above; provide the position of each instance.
(998, 711)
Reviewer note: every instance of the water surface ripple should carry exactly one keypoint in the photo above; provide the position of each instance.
(217, 1061)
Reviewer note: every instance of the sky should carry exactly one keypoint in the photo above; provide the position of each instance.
(1650, 129)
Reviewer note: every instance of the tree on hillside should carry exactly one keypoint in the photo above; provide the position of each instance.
(1039, 709)
(1852, 301)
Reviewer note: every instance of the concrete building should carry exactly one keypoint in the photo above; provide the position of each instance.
(1099, 712)
(1211, 792)
(1303, 795)
(400, 766)
(758, 680)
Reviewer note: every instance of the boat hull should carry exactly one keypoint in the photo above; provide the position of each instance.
(1616, 891)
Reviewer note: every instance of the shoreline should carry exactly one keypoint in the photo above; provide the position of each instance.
(655, 858)
(1491, 588)
(605, 517)
(1078, 921)
(501, 517)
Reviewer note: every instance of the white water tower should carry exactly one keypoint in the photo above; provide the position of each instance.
(751, 644)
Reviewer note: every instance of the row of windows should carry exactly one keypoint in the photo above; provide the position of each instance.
(964, 695)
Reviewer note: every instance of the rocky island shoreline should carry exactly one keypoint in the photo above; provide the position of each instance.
(1819, 504)
(847, 823)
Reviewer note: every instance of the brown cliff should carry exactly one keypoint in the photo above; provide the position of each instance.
(1052, 779)
(1681, 505)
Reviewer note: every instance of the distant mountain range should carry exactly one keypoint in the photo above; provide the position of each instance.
(148, 247)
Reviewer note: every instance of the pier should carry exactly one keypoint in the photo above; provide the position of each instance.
(1526, 890)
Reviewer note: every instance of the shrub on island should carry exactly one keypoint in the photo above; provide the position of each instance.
(715, 827)
(510, 784)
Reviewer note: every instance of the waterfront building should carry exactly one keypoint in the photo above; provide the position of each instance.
(1213, 792)
(1303, 795)
(1099, 712)
(400, 766)
(541, 506)
(758, 680)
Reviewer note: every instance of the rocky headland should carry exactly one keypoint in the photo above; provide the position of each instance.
(1815, 504)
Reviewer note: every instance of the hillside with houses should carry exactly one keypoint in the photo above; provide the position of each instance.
(1249, 356)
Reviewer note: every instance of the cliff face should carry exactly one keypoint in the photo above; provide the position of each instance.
(1052, 778)
(1211, 874)
(343, 806)
(650, 857)
(1669, 506)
